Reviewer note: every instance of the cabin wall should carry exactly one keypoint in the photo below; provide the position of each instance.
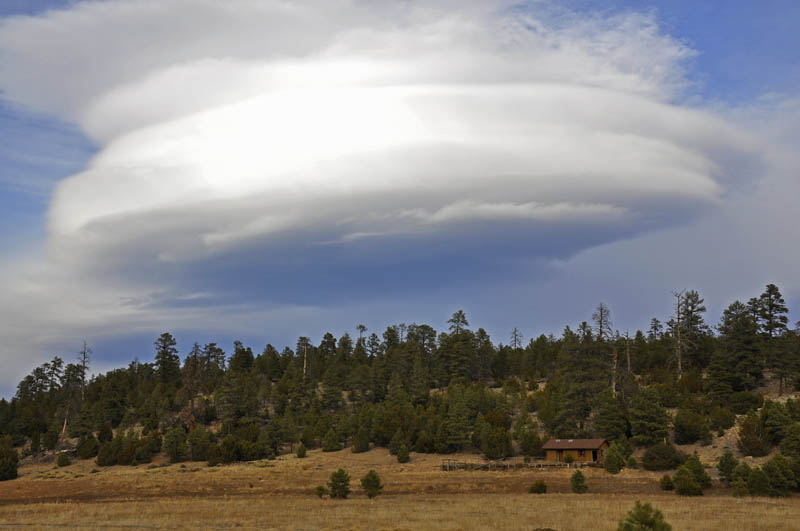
(578, 456)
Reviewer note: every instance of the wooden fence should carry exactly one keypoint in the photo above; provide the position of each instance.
(452, 464)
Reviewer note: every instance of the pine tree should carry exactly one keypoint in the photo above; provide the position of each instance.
(649, 420)
(371, 483)
(168, 364)
(339, 484)
(578, 483)
(643, 517)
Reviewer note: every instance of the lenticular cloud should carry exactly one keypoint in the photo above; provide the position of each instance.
(221, 123)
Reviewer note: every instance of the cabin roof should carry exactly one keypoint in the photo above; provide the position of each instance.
(573, 444)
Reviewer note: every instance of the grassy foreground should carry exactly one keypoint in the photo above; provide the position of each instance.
(278, 495)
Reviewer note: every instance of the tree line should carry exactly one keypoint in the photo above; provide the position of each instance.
(418, 389)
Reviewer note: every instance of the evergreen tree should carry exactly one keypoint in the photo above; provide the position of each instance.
(403, 455)
(649, 420)
(9, 460)
(643, 517)
(727, 464)
(339, 484)
(168, 363)
(578, 483)
(371, 483)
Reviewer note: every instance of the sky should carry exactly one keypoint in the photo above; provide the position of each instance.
(260, 170)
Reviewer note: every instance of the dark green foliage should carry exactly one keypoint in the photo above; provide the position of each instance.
(106, 434)
(9, 460)
(229, 449)
(339, 484)
(397, 441)
(331, 442)
(758, 483)
(662, 456)
(727, 464)
(744, 401)
(781, 475)
(643, 517)
(752, 440)
(632, 463)
(696, 468)
(87, 447)
(649, 420)
(665, 483)
(538, 487)
(610, 422)
(175, 445)
(720, 418)
(615, 459)
(320, 491)
(199, 441)
(496, 443)
(371, 483)
(361, 440)
(63, 460)
(402, 454)
(578, 483)
(301, 451)
(685, 483)
(790, 445)
(50, 439)
(689, 426)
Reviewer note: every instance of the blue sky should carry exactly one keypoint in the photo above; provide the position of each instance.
(648, 147)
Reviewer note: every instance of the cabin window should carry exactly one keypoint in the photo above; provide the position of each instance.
(581, 453)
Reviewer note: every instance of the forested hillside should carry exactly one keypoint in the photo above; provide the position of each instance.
(413, 388)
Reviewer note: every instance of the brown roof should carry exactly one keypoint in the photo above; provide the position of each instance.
(573, 444)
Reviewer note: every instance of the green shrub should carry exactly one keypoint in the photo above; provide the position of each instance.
(689, 426)
(371, 483)
(685, 483)
(63, 460)
(781, 475)
(632, 463)
(339, 484)
(614, 460)
(790, 445)
(662, 456)
(199, 440)
(301, 451)
(644, 517)
(727, 464)
(538, 487)
(87, 447)
(331, 443)
(569, 459)
(361, 440)
(578, 483)
(721, 418)
(9, 460)
(320, 491)
(175, 445)
(665, 483)
(744, 401)
(696, 468)
(402, 454)
(758, 483)
(397, 441)
(106, 433)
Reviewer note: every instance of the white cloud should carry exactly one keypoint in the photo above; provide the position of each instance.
(256, 123)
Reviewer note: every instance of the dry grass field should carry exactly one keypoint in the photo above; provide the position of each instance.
(279, 495)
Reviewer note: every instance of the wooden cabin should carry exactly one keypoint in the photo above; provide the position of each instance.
(581, 450)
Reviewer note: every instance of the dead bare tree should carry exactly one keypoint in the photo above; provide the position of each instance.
(602, 321)
(679, 297)
(516, 338)
(83, 361)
